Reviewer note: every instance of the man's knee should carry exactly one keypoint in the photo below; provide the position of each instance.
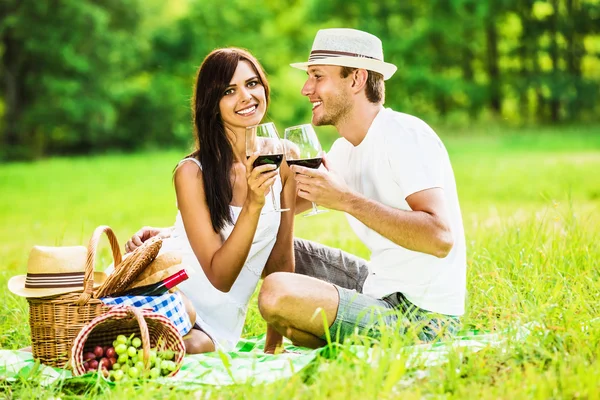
(273, 294)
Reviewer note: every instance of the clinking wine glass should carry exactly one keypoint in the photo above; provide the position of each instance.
(264, 139)
(302, 148)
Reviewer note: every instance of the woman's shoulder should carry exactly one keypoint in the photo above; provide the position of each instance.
(189, 161)
(188, 169)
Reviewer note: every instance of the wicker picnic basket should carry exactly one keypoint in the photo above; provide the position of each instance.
(155, 331)
(56, 321)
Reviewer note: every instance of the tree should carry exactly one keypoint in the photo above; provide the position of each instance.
(62, 64)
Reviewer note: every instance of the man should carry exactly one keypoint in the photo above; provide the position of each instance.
(391, 175)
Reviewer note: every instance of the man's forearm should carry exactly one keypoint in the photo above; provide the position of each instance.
(414, 230)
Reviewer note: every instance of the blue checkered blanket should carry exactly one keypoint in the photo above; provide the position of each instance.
(169, 304)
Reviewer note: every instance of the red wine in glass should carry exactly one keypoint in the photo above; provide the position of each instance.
(313, 163)
(263, 139)
(268, 159)
(302, 148)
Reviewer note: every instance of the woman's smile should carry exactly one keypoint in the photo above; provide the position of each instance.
(244, 100)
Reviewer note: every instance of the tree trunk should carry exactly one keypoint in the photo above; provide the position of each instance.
(467, 58)
(573, 57)
(12, 82)
(554, 88)
(525, 51)
(493, 69)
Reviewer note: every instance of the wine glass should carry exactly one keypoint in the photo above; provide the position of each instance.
(264, 139)
(302, 148)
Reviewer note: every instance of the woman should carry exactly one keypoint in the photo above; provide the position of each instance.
(219, 229)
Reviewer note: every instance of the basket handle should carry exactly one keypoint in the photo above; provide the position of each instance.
(88, 279)
(143, 332)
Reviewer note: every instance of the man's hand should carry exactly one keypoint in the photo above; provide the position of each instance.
(322, 186)
(144, 234)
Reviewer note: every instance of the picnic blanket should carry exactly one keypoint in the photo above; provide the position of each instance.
(248, 363)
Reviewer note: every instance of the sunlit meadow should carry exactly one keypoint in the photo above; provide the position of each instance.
(530, 200)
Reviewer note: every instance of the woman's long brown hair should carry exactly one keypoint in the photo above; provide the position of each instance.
(213, 148)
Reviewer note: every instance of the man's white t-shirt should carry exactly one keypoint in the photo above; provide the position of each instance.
(399, 156)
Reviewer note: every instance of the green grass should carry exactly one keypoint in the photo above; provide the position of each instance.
(530, 200)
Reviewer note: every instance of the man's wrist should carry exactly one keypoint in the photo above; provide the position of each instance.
(349, 202)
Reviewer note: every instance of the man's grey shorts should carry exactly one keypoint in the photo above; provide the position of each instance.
(359, 313)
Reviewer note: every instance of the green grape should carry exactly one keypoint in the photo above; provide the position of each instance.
(122, 358)
(139, 365)
(121, 349)
(121, 339)
(116, 366)
(131, 351)
(154, 373)
(119, 374)
(136, 342)
(133, 372)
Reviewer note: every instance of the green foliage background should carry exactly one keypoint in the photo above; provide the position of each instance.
(87, 75)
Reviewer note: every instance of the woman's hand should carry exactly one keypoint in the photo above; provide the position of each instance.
(145, 233)
(260, 180)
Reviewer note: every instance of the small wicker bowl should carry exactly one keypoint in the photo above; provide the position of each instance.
(154, 329)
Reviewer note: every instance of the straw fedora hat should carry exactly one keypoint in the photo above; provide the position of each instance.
(348, 48)
(52, 271)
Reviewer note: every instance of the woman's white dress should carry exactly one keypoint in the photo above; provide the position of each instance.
(222, 315)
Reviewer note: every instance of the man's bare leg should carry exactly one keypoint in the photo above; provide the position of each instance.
(295, 306)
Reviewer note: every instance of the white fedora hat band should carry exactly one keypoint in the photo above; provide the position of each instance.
(385, 69)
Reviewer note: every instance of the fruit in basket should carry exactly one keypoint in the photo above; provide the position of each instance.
(89, 356)
(98, 351)
(121, 348)
(125, 360)
(110, 352)
(136, 342)
(131, 351)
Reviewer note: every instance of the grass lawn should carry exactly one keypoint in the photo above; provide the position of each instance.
(530, 200)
